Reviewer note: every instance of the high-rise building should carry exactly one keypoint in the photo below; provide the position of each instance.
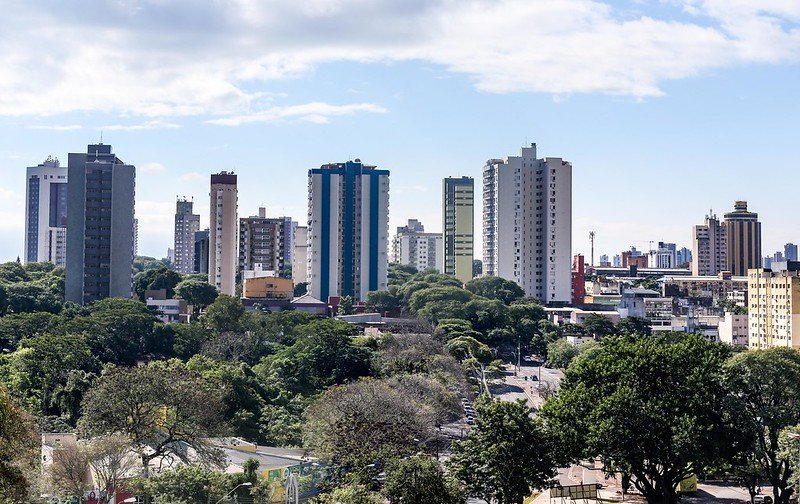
(579, 279)
(617, 263)
(790, 251)
(223, 230)
(100, 225)
(348, 228)
(413, 246)
(201, 251)
(709, 247)
(46, 213)
(773, 306)
(300, 255)
(266, 243)
(527, 223)
(684, 256)
(458, 227)
(743, 232)
(664, 257)
(187, 224)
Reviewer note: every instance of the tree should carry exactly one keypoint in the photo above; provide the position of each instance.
(560, 353)
(419, 479)
(345, 306)
(188, 484)
(300, 289)
(69, 469)
(158, 408)
(634, 325)
(117, 329)
(155, 279)
(224, 314)
(382, 301)
(505, 456)
(486, 314)
(197, 293)
(351, 493)
(767, 386)
(364, 422)
(17, 451)
(448, 329)
(29, 297)
(428, 295)
(656, 408)
(110, 459)
(41, 367)
(492, 287)
(598, 325)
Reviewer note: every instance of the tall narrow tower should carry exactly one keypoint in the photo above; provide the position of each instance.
(527, 223)
(348, 230)
(46, 213)
(187, 224)
(222, 236)
(100, 225)
(744, 239)
(458, 227)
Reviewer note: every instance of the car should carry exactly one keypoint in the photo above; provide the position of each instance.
(534, 378)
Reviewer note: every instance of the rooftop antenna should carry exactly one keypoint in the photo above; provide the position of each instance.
(591, 240)
(101, 137)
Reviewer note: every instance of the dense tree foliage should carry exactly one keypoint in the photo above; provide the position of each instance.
(506, 456)
(17, 451)
(653, 407)
(157, 407)
(766, 384)
(420, 478)
(497, 288)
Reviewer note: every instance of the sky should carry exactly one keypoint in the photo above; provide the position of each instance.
(666, 109)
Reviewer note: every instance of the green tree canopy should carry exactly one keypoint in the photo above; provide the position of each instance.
(634, 325)
(506, 456)
(197, 293)
(492, 287)
(653, 407)
(224, 314)
(17, 451)
(766, 384)
(154, 279)
(420, 478)
(598, 325)
(158, 407)
(382, 301)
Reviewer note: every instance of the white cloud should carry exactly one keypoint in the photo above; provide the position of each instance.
(56, 127)
(192, 177)
(147, 125)
(156, 217)
(153, 167)
(209, 58)
(315, 112)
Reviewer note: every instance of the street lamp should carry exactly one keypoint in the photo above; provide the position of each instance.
(234, 489)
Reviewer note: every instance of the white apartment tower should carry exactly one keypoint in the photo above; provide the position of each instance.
(300, 255)
(527, 224)
(413, 246)
(223, 233)
(187, 224)
(46, 213)
(709, 247)
(348, 230)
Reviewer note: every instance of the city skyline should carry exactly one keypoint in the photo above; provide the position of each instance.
(688, 129)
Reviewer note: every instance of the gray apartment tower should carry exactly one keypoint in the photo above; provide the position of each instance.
(186, 225)
(266, 243)
(201, 251)
(100, 227)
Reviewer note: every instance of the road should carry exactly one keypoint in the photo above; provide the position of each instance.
(523, 386)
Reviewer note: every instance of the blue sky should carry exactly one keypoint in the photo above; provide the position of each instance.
(666, 109)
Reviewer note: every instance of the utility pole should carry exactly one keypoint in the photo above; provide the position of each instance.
(591, 240)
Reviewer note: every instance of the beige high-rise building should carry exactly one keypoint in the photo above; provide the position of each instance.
(458, 209)
(223, 231)
(773, 307)
(743, 232)
(300, 255)
(709, 247)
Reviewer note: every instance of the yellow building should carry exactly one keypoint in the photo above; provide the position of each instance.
(773, 306)
(268, 288)
(458, 205)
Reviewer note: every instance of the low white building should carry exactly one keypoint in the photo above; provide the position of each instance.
(733, 330)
